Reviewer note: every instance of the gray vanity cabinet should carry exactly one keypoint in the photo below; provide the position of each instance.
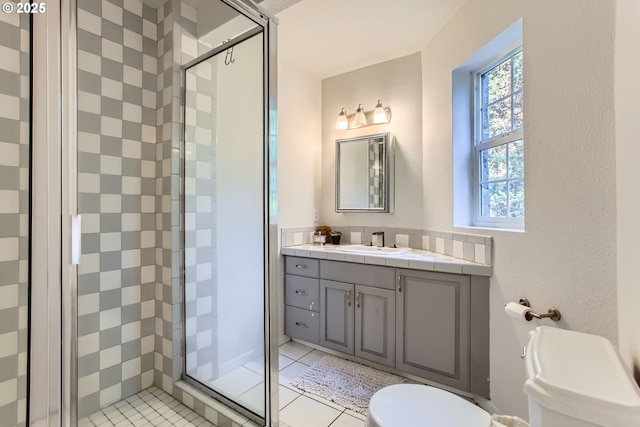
(432, 326)
(358, 319)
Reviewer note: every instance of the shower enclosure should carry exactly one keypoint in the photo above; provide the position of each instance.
(226, 188)
(153, 210)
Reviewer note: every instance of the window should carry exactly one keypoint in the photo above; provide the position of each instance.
(499, 143)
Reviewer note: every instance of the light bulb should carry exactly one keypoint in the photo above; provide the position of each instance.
(342, 123)
(360, 119)
(379, 114)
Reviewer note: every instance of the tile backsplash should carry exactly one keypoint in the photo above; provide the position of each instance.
(469, 247)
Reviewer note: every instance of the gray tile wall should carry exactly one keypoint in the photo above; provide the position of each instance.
(176, 28)
(166, 204)
(117, 65)
(151, 338)
(14, 215)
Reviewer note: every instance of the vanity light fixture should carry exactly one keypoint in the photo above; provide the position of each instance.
(343, 122)
(361, 118)
(380, 114)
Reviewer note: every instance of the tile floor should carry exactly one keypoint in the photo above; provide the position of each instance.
(153, 407)
(298, 409)
(150, 407)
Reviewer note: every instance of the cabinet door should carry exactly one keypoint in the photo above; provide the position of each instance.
(375, 324)
(432, 321)
(336, 315)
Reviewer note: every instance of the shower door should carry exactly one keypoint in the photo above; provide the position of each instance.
(226, 234)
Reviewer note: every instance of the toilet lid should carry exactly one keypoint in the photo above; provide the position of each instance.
(404, 405)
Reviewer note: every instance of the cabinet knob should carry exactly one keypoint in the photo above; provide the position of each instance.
(358, 299)
(302, 266)
(349, 298)
(302, 325)
(301, 292)
(400, 282)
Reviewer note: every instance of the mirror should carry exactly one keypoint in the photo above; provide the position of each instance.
(364, 171)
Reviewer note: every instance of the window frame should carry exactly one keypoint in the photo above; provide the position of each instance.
(480, 145)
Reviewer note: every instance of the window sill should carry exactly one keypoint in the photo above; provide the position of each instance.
(489, 228)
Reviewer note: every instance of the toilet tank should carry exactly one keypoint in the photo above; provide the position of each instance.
(578, 380)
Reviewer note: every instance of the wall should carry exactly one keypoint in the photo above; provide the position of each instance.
(299, 144)
(567, 256)
(397, 83)
(116, 191)
(299, 135)
(14, 215)
(627, 90)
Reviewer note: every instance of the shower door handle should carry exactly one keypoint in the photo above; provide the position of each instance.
(76, 238)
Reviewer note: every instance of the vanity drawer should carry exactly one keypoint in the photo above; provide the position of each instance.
(302, 324)
(302, 266)
(360, 274)
(302, 292)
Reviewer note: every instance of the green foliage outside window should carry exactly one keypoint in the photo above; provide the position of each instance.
(501, 177)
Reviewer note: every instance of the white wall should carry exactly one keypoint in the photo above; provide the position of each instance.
(299, 142)
(566, 257)
(397, 84)
(299, 100)
(627, 87)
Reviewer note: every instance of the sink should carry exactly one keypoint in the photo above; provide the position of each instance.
(363, 249)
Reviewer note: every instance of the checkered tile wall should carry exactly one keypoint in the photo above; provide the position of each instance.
(14, 215)
(117, 66)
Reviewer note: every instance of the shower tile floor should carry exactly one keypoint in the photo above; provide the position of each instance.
(150, 407)
(153, 407)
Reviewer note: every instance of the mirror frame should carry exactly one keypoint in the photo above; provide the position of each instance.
(387, 171)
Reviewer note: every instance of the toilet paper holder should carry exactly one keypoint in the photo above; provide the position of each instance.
(553, 313)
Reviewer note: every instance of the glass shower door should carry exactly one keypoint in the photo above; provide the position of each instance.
(224, 222)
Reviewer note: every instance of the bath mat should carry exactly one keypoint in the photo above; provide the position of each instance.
(346, 383)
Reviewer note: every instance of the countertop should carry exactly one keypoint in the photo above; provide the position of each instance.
(415, 259)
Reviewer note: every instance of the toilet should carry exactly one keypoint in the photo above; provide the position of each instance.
(417, 405)
(573, 380)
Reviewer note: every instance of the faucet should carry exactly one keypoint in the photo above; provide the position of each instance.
(377, 238)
